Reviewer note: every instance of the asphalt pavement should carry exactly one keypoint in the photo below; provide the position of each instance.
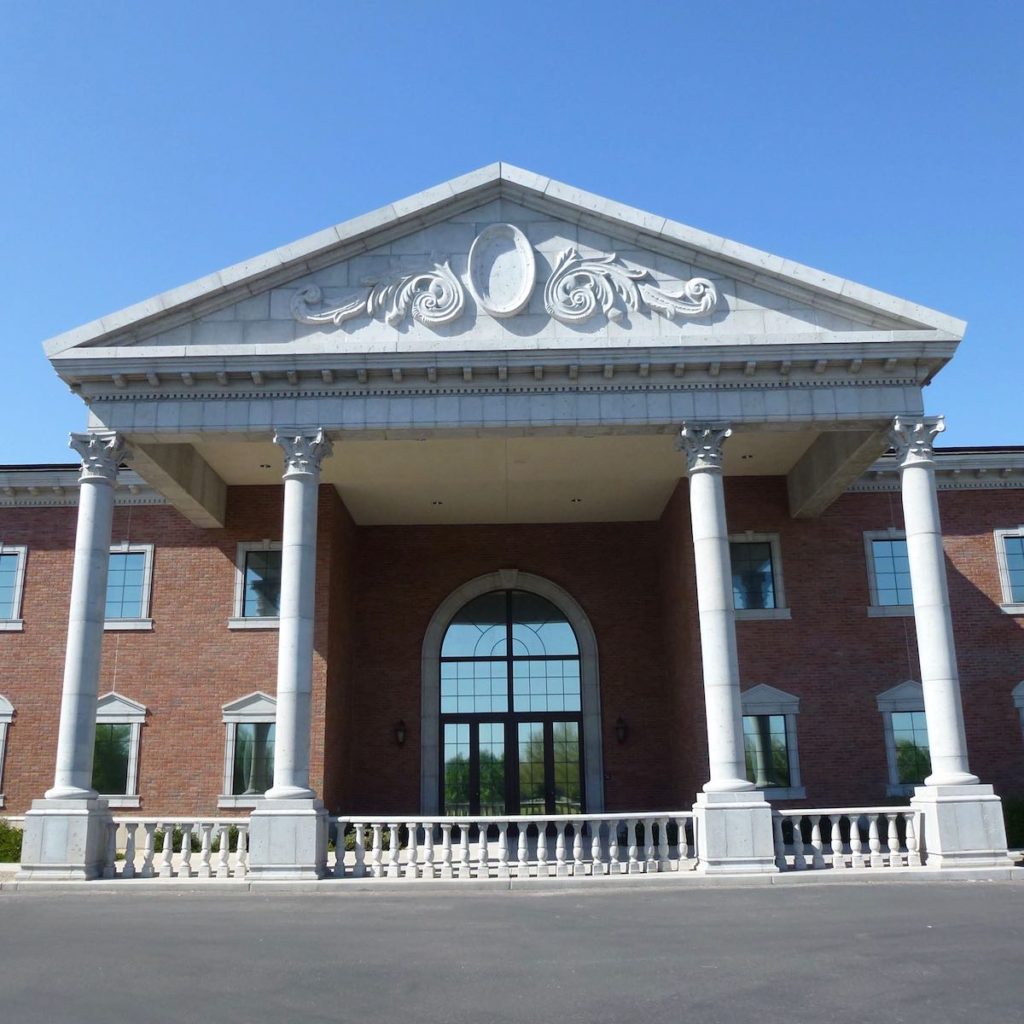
(889, 952)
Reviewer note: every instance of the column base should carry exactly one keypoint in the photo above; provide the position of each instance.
(734, 834)
(64, 840)
(963, 827)
(288, 840)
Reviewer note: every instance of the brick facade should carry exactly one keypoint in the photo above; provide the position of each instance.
(377, 588)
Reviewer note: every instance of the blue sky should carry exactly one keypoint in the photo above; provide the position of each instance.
(147, 144)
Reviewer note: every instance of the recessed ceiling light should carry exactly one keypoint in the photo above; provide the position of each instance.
(265, 465)
(435, 502)
(745, 457)
(576, 501)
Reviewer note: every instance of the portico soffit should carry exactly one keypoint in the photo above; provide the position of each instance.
(500, 260)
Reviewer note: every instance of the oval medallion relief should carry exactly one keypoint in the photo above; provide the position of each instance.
(502, 270)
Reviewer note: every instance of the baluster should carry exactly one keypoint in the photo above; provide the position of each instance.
(412, 868)
(856, 846)
(579, 869)
(148, 829)
(394, 853)
(663, 844)
(483, 869)
(428, 851)
(465, 868)
(780, 842)
(223, 862)
(185, 870)
(376, 853)
(561, 868)
(206, 850)
(614, 867)
(446, 850)
(651, 853)
(338, 869)
(128, 871)
(167, 852)
(523, 851)
(503, 871)
(838, 859)
(682, 844)
(242, 851)
(799, 860)
(874, 843)
(542, 849)
(893, 842)
(110, 857)
(817, 858)
(596, 858)
(359, 850)
(913, 851)
(634, 852)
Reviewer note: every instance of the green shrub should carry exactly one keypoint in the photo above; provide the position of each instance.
(10, 843)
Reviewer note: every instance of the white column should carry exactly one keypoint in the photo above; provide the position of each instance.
(702, 445)
(101, 454)
(303, 452)
(914, 440)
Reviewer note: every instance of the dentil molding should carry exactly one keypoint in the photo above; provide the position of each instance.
(501, 275)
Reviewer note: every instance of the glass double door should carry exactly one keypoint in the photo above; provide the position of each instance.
(514, 765)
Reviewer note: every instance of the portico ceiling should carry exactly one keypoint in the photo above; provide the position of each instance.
(545, 479)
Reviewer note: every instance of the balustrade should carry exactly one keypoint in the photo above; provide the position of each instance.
(844, 829)
(566, 846)
(164, 847)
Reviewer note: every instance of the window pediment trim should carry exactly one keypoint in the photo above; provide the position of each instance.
(254, 707)
(114, 707)
(763, 699)
(907, 696)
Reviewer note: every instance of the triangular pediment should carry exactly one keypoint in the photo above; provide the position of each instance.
(504, 259)
(765, 700)
(908, 696)
(117, 708)
(254, 707)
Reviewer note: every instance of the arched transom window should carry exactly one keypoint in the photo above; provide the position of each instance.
(510, 708)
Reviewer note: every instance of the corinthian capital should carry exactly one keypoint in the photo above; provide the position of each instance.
(702, 445)
(101, 453)
(304, 450)
(914, 438)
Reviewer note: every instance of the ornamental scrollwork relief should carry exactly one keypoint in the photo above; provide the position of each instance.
(433, 297)
(580, 286)
(914, 439)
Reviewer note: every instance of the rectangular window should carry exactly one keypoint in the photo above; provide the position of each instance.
(262, 590)
(12, 577)
(111, 758)
(910, 738)
(888, 573)
(456, 769)
(128, 583)
(253, 772)
(766, 751)
(1010, 556)
(753, 575)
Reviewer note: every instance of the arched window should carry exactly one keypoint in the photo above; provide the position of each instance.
(509, 690)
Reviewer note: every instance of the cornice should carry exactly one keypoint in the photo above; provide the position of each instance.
(959, 471)
(56, 488)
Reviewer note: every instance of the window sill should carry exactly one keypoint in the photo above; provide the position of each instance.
(239, 801)
(901, 788)
(763, 613)
(12, 626)
(251, 622)
(787, 793)
(127, 625)
(1012, 609)
(120, 801)
(890, 611)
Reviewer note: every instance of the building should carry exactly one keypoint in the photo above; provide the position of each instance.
(582, 511)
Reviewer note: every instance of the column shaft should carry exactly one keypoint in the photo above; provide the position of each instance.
(303, 453)
(936, 647)
(76, 734)
(715, 608)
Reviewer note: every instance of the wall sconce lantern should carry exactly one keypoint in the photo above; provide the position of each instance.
(400, 732)
(621, 730)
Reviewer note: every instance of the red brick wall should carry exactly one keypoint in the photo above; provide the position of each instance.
(378, 587)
